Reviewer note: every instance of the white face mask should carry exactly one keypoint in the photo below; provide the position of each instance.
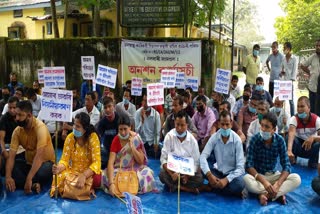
(124, 137)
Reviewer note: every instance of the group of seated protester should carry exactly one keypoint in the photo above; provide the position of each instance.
(235, 142)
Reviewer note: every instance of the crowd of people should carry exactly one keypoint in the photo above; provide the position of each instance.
(235, 140)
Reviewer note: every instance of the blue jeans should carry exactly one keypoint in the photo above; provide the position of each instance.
(316, 185)
(234, 188)
(312, 154)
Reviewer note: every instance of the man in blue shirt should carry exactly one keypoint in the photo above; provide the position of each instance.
(14, 83)
(225, 148)
(263, 152)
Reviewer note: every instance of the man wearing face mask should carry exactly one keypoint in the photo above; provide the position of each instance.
(312, 67)
(251, 65)
(168, 101)
(243, 101)
(34, 137)
(127, 106)
(282, 117)
(5, 97)
(181, 142)
(259, 89)
(304, 131)
(107, 129)
(225, 147)
(266, 147)
(14, 83)
(148, 126)
(203, 119)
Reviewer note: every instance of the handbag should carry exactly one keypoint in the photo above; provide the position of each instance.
(126, 181)
(70, 190)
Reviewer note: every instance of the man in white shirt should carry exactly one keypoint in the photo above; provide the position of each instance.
(35, 101)
(127, 106)
(181, 142)
(148, 126)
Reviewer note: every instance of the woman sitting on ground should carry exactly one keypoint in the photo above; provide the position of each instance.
(127, 147)
(80, 156)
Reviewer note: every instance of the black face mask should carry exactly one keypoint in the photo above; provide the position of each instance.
(23, 123)
(245, 97)
(6, 97)
(200, 108)
(215, 104)
(13, 83)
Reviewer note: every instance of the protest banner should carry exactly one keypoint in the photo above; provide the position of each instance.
(40, 76)
(54, 77)
(283, 89)
(87, 67)
(133, 204)
(136, 86)
(106, 76)
(222, 84)
(179, 164)
(168, 78)
(56, 105)
(155, 94)
(147, 59)
(180, 84)
(192, 82)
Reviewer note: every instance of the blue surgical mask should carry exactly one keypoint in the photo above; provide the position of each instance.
(180, 135)
(77, 133)
(225, 132)
(260, 116)
(125, 101)
(124, 137)
(252, 110)
(278, 109)
(302, 115)
(265, 135)
(259, 88)
(255, 52)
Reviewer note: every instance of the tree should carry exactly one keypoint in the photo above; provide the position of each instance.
(65, 22)
(54, 19)
(300, 26)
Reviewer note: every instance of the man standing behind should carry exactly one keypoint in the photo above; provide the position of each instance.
(314, 71)
(226, 147)
(14, 83)
(34, 137)
(275, 59)
(264, 150)
(251, 65)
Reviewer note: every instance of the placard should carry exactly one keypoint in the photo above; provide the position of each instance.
(56, 105)
(54, 77)
(136, 86)
(192, 82)
(87, 67)
(179, 164)
(155, 94)
(283, 89)
(180, 82)
(106, 76)
(168, 78)
(223, 78)
(40, 76)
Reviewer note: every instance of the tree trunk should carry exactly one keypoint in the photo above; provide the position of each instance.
(96, 19)
(54, 19)
(66, 7)
(210, 19)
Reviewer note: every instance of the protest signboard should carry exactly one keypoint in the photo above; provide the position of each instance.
(283, 89)
(40, 76)
(56, 105)
(133, 204)
(54, 77)
(106, 76)
(192, 82)
(168, 78)
(87, 67)
(180, 84)
(155, 94)
(136, 86)
(222, 84)
(179, 164)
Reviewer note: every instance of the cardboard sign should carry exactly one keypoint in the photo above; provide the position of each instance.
(179, 164)
(54, 77)
(87, 67)
(223, 78)
(134, 204)
(283, 89)
(136, 86)
(192, 82)
(155, 94)
(56, 105)
(168, 78)
(180, 82)
(106, 76)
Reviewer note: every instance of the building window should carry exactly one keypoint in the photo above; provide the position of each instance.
(17, 13)
(49, 28)
(74, 30)
(15, 32)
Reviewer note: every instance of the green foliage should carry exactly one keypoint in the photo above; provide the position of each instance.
(301, 24)
(103, 3)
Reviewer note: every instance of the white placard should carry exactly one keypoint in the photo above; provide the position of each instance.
(222, 81)
(40, 76)
(56, 105)
(155, 94)
(192, 82)
(54, 77)
(180, 84)
(87, 67)
(106, 76)
(179, 164)
(136, 86)
(168, 78)
(283, 89)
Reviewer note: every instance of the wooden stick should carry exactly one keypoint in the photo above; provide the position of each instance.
(179, 193)
(55, 161)
(123, 201)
